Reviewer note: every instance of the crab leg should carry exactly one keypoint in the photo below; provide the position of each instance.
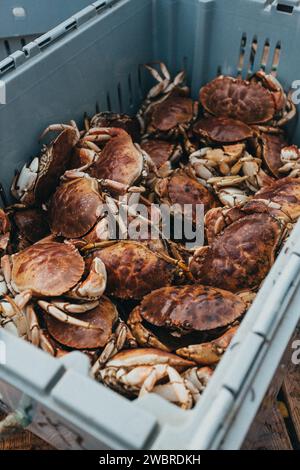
(113, 346)
(75, 308)
(60, 128)
(63, 317)
(143, 336)
(33, 333)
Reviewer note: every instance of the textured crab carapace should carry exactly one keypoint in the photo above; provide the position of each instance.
(75, 207)
(241, 255)
(133, 269)
(35, 185)
(191, 308)
(47, 268)
(272, 144)
(221, 130)
(239, 99)
(123, 121)
(120, 160)
(181, 188)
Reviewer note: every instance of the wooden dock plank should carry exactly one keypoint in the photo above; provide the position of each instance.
(270, 433)
(291, 391)
(23, 441)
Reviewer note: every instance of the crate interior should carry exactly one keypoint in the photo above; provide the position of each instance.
(97, 64)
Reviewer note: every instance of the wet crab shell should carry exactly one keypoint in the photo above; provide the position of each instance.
(123, 121)
(133, 270)
(241, 256)
(52, 164)
(75, 207)
(235, 98)
(272, 144)
(181, 188)
(47, 268)
(120, 161)
(191, 308)
(177, 109)
(103, 316)
(160, 151)
(222, 130)
(284, 192)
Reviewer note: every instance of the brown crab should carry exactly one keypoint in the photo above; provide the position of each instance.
(5, 228)
(56, 271)
(80, 204)
(130, 124)
(168, 110)
(31, 224)
(138, 372)
(164, 155)
(242, 246)
(182, 188)
(36, 181)
(133, 268)
(184, 318)
(259, 100)
(221, 130)
(121, 160)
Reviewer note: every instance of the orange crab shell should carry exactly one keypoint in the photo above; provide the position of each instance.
(272, 144)
(75, 207)
(241, 256)
(119, 161)
(32, 224)
(133, 269)
(222, 129)
(51, 169)
(235, 98)
(122, 121)
(181, 188)
(191, 308)
(175, 110)
(103, 316)
(47, 268)
(159, 150)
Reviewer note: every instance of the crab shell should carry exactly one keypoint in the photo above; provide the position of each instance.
(272, 144)
(162, 152)
(47, 268)
(190, 308)
(177, 109)
(235, 98)
(103, 316)
(283, 193)
(120, 161)
(133, 269)
(222, 130)
(181, 188)
(75, 207)
(53, 162)
(241, 256)
(123, 121)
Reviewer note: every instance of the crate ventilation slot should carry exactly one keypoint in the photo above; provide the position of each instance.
(285, 8)
(265, 57)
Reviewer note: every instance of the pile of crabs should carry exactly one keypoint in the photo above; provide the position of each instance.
(152, 315)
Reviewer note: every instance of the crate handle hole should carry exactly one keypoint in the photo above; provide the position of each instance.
(19, 12)
(285, 8)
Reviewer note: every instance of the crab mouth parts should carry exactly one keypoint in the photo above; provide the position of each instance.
(174, 337)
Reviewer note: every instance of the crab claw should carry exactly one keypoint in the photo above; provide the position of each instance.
(95, 283)
(208, 353)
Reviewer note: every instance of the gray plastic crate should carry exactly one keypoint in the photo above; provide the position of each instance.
(21, 21)
(93, 60)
